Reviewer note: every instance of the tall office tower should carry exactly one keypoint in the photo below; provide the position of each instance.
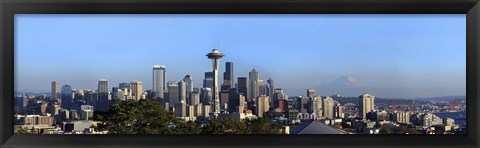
(137, 89)
(91, 98)
(262, 105)
(241, 106)
(20, 104)
(339, 111)
(115, 93)
(267, 90)
(233, 101)
(328, 107)
(54, 90)
(206, 96)
(311, 92)
(159, 81)
(189, 87)
(173, 93)
(271, 87)
(182, 91)
(195, 97)
(253, 85)
(317, 106)
(67, 97)
(228, 74)
(208, 81)
(242, 86)
(181, 109)
(277, 96)
(366, 104)
(261, 88)
(224, 99)
(305, 104)
(102, 101)
(79, 95)
(124, 85)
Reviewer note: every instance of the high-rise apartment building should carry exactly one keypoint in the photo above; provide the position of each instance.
(317, 106)
(328, 108)
(366, 104)
(311, 92)
(137, 89)
(262, 105)
(339, 111)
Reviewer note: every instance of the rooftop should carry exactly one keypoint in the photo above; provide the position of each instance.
(314, 127)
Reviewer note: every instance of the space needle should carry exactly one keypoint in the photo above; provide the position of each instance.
(215, 56)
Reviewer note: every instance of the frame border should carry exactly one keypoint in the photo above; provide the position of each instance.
(8, 9)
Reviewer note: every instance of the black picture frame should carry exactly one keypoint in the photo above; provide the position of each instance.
(8, 8)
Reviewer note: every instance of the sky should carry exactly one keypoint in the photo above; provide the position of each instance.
(385, 55)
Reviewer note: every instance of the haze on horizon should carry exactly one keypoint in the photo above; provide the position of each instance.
(385, 55)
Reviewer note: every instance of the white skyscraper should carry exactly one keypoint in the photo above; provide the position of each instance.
(159, 80)
(366, 104)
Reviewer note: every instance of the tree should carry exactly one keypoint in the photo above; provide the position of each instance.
(253, 126)
(145, 116)
(22, 131)
(262, 126)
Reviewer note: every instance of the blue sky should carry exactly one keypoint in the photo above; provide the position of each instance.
(391, 55)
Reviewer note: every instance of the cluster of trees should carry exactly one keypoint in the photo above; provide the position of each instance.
(148, 116)
(392, 129)
(25, 131)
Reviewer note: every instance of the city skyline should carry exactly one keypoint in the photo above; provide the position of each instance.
(406, 78)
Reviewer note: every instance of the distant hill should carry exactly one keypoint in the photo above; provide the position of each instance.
(443, 98)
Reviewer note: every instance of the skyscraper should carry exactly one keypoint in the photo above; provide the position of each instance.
(262, 105)
(124, 85)
(317, 106)
(233, 100)
(66, 97)
(54, 90)
(195, 97)
(228, 74)
(159, 81)
(173, 93)
(253, 85)
(206, 96)
(328, 108)
(261, 87)
(242, 86)
(311, 92)
(189, 87)
(137, 89)
(339, 111)
(366, 104)
(270, 88)
(208, 81)
(182, 91)
(103, 102)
